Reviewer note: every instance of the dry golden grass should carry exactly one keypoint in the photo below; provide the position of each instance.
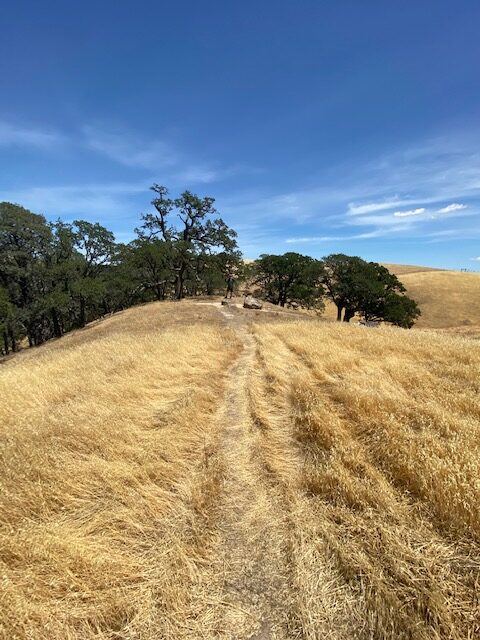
(447, 299)
(173, 472)
(402, 269)
(375, 436)
(106, 477)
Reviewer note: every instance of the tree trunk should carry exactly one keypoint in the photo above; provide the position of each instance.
(57, 330)
(349, 313)
(82, 319)
(179, 285)
(6, 347)
(339, 312)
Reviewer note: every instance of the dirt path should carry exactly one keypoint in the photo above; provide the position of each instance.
(253, 518)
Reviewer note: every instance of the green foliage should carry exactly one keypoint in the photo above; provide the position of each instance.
(192, 235)
(55, 277)
(290, 277)
(400, 310)
(367, 288)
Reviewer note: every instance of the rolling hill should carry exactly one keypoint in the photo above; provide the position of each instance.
(187, 470)
(447, 299)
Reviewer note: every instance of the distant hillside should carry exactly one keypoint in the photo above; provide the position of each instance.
(402, 269)
(447, 299)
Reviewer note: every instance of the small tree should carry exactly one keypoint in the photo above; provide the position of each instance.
(340, 279)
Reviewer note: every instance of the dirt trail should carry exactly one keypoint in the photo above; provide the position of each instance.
(253, 519)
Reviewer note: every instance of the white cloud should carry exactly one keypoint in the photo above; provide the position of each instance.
(372, 207)
(477, 258)
(12, 135)
(408, 214)
(452, 207)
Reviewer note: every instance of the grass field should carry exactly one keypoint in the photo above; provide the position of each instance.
(106, 435)
(189, 471)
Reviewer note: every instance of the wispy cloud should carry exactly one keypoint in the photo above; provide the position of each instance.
(408, 214)
(452, 207)
(126, 148)
(373, 207)
(307, 239)
(22, 136)
(92, 201)
(129, 150)
(476, 259)
(408, 193)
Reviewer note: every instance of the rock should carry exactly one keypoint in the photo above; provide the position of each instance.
(252, 303)
(372, 324)
(225, 302)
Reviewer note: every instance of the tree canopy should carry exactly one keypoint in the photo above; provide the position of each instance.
(367, 288)
(58, 276)
(290, 277)
(192, 235)
(352, 284)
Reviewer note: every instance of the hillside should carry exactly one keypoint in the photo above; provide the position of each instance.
(447, 299)
(185, 470)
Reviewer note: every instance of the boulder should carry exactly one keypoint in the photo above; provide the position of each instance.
(225, 302)
(372, 324)
(252, 303)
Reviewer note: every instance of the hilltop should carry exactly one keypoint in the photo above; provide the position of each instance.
(186, 470)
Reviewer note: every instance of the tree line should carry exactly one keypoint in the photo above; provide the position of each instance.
(55, 277)
(355, 286)
(58, 276)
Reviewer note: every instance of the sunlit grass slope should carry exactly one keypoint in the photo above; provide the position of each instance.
(375, 436)
(123, 488)
(447, 299)
(106, 437)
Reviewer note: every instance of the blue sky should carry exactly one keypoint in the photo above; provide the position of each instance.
(319, 126)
